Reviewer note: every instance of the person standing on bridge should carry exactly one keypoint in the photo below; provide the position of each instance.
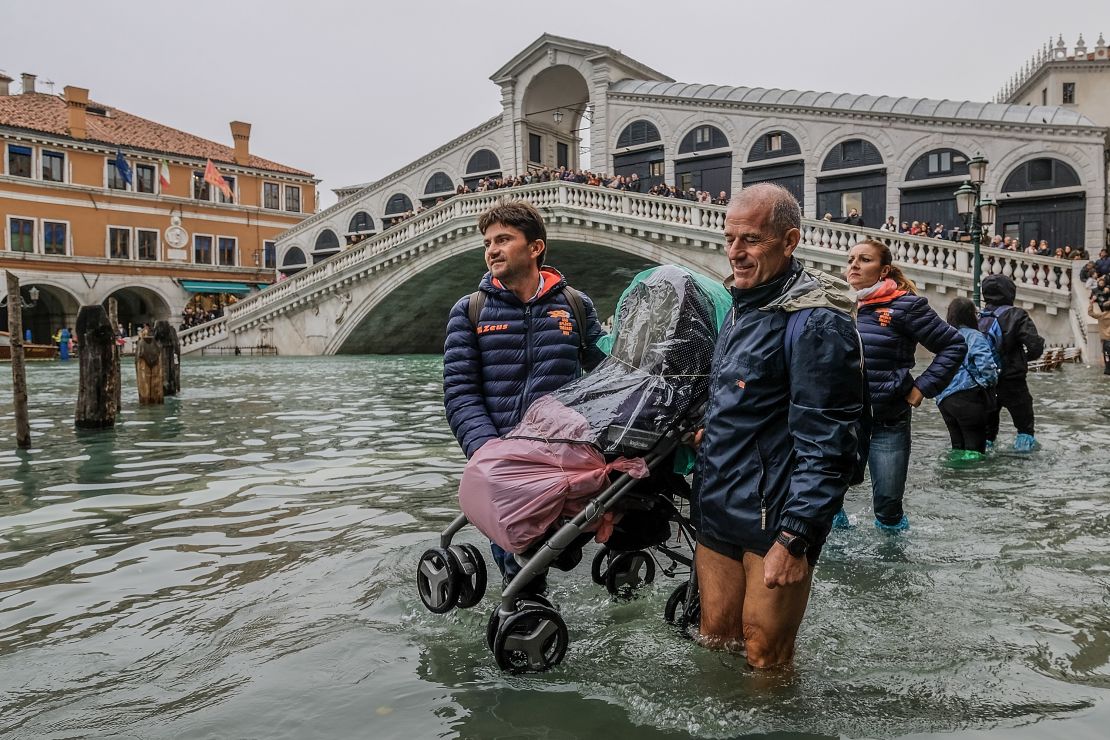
(523, 334)
(892, 320)
(782, 433)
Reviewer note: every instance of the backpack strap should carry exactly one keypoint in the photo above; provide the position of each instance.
(578, 308)
(474, 309)
(795, 322)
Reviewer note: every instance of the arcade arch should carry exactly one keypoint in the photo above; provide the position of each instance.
(136, 305)
(640, 152)
(293, 261)
(482, 163)
(53, 308)
(764, 163)
(704, 160)
(553, 108)
(1040, 199)
(931, 202)
(327, 244)
(863, 188)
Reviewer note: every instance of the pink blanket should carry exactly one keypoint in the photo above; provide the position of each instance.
(513, 490)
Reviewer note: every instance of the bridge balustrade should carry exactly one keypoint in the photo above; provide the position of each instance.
(1043, 280)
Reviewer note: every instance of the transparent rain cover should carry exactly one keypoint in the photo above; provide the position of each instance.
(656, 376)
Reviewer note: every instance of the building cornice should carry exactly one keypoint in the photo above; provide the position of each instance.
(805, 111)
(1067, 65)
(44, 138)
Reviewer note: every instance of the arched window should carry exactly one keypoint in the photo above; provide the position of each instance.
(772, 145)
(851, 153)
(1040, 174)
(483, 160)
(360, 223)
(638, 132)
(439, 183)
(326, 242)
(703, 137)
(294, 261)
(398, 203)
(938, 163)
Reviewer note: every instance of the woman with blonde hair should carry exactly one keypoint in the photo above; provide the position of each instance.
(892, 320)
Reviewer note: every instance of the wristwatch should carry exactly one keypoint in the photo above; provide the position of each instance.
(796, 545)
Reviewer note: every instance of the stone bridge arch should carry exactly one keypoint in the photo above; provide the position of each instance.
(419, 297)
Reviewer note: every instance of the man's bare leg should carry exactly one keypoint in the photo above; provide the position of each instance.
(771, 616)
(721, 591)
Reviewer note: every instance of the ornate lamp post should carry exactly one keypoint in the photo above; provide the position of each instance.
(977, 212)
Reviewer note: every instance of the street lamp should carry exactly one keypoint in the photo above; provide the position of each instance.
(558, 116)
(977, 212)
(23, 302)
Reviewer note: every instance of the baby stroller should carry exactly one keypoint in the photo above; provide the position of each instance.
(543, 489)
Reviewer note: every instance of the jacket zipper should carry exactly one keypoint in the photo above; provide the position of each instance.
(527, 359)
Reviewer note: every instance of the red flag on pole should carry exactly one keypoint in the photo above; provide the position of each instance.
(213, 177)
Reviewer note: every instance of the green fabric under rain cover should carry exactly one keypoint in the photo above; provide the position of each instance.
(721, 301)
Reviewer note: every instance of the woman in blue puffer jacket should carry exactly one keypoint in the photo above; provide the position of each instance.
(967, 401)
(892, 320)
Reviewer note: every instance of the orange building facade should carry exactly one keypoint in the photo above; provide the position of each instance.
(78, 232)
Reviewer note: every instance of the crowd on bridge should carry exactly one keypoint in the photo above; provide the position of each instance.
(631, 183)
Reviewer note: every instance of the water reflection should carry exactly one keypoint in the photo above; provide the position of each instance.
(238, 563)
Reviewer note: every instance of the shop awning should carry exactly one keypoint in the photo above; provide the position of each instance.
(215, 286)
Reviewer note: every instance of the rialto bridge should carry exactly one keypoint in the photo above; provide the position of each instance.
(391, 293)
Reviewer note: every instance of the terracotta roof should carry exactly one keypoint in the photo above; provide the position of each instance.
(47, 113)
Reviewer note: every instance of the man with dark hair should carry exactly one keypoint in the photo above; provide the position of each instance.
(1015, 338)
(530, 334)
(782, 433)
(853, 218)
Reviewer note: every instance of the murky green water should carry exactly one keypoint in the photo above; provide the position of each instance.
(239, 564)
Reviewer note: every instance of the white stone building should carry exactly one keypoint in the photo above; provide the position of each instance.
(887, 156)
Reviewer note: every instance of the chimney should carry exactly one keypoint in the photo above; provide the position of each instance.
(241, 135)
(77, 100)
(4, 82)
(29, 82)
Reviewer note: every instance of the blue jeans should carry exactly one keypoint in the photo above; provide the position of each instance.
(888, 462)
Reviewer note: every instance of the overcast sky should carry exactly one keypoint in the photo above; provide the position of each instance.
(352, 92)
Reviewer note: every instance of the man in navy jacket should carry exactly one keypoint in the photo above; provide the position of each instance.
(527, 341)
(781, 433)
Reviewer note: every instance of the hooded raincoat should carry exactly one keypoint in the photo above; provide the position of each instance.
(781, 437)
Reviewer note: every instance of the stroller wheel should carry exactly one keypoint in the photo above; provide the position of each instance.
(495, 616)
(532, 639)
(438, 577)
(681, 614)
(628, 571)
(472, 566)
(600, 565)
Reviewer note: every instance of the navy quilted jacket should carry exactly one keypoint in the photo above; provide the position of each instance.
(519, 352)
(891, 327)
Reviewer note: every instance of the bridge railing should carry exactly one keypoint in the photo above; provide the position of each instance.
(1043, 278)
(203, 334)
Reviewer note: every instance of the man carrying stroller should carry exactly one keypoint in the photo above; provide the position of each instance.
(532, 334)
(783, 433)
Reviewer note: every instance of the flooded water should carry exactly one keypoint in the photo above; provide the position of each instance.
(239, 564)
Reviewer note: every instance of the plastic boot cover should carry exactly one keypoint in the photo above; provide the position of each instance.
(1025, 443)
(841, 521)
(901, 526)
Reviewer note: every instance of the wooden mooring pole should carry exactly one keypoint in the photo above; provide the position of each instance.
(148, 370)
(117, 381)
(166, 337)
(19, 373)
(96, 391)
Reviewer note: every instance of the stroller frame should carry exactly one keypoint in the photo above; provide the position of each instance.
(525, 632)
